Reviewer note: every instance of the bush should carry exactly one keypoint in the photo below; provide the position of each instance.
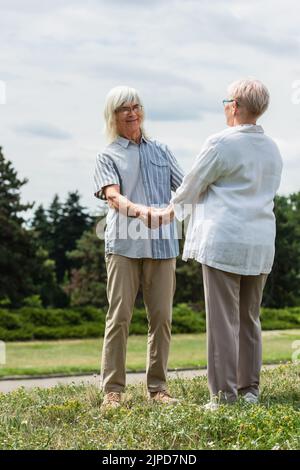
(186, 320)
(280, 319)
(9, 321)
(31, 323)
(33, 301)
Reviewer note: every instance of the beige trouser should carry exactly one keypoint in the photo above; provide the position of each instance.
(234, 347)
(124, 276)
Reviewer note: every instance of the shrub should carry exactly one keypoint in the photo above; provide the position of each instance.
(29, 323)
(33, 301)
(10, 321)
(280, 319)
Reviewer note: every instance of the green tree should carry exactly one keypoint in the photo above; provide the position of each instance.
(283, 285)
(41, 225)
(87, 284)
(17, 256)
(59, 229)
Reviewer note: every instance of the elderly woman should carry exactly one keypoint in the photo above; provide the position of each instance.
(133, 173)
(229, 192)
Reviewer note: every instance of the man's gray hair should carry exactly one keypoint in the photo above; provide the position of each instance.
(115, 98)
(251, 94)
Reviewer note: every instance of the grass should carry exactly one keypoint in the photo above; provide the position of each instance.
(70, 417)
(83, 356)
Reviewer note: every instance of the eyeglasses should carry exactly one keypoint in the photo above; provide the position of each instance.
(137, 108)
(229, 101)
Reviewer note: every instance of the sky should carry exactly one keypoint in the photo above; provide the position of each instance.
(59, 59)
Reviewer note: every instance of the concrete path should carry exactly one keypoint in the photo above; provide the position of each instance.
(132, 378)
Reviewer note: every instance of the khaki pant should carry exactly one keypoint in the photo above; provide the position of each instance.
(234, 346)
(124, 276)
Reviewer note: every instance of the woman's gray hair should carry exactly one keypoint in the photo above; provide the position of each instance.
(251, 94)
(115, 98)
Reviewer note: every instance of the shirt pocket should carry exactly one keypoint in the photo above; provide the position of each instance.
(160, 172)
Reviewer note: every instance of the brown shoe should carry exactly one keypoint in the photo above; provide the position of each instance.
(163, 397)
(111, 400)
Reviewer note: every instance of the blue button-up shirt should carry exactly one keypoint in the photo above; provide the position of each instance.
(147, 173)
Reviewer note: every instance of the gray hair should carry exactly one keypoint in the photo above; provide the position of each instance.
(115, 98)
(251, 94)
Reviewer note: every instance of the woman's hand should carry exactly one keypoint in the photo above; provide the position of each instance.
(153, 217)
(165, 215)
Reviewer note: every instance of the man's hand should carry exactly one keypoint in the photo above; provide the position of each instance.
(123, 204)
(140, 211)
(151, 217)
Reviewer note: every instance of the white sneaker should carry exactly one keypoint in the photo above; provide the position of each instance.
(250, 398)
(212, 405)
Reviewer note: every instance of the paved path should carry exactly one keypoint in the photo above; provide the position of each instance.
(132, 378)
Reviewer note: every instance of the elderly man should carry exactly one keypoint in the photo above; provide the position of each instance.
(230, 189)
(135, 173)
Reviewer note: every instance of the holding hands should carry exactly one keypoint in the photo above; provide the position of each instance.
(153, 217)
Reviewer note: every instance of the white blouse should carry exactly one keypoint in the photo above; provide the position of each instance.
(229, 195)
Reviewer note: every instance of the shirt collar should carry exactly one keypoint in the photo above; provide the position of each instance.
(250, 128)
(125, 142)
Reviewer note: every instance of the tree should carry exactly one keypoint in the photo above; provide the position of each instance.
(68, 222)
(87, 285)
(41, 226)
(283, 284)
(17, 257)
(56, 232)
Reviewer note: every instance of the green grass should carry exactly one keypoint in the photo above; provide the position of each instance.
(70, 417)
(83, 356)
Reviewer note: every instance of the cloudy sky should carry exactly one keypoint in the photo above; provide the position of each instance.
(60, 58)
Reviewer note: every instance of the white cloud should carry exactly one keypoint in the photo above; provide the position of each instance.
(42, 130)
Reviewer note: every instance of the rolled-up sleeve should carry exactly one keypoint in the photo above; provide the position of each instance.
(207, 168)
(105, 175)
